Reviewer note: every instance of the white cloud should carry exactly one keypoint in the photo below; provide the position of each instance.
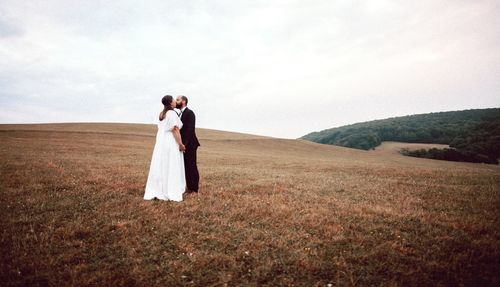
(281, 68)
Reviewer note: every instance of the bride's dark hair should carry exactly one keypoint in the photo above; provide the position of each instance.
(167, 103)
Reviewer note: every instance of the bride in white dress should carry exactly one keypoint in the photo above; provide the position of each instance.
(166, 179)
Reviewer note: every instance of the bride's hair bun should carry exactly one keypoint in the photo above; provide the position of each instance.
(167, 100)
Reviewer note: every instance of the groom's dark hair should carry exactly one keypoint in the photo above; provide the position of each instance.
(184, 98)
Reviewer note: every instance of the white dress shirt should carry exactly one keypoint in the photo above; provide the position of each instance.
(182, 110)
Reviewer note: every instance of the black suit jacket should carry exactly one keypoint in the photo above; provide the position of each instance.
(188, 133)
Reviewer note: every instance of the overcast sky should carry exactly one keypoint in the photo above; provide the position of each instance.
(278, 68)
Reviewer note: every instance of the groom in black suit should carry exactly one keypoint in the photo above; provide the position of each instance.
(189, 139)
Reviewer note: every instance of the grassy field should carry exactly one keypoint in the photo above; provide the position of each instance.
(270, 212)
(395, 147)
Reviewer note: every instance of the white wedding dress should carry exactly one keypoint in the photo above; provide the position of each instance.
(166, 179)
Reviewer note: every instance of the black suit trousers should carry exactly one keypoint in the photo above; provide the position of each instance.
(191, 169)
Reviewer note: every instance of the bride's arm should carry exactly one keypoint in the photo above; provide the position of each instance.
(177, 136)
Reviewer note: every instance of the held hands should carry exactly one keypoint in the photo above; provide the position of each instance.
(182, 148)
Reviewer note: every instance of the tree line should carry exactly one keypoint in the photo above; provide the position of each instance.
(473, 135)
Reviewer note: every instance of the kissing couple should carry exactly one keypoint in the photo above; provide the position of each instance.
(173, 169)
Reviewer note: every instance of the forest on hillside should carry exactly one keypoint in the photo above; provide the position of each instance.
(473, 135)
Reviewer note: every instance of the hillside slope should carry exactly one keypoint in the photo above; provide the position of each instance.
(473, 135)
(270, 212)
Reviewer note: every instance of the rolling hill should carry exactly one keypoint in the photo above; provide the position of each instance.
(473, 135)
(270, 212)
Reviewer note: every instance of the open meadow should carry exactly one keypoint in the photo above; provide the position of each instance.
(270, 212)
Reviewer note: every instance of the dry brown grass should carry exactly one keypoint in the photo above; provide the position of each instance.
(395, 147)
(270, 212)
